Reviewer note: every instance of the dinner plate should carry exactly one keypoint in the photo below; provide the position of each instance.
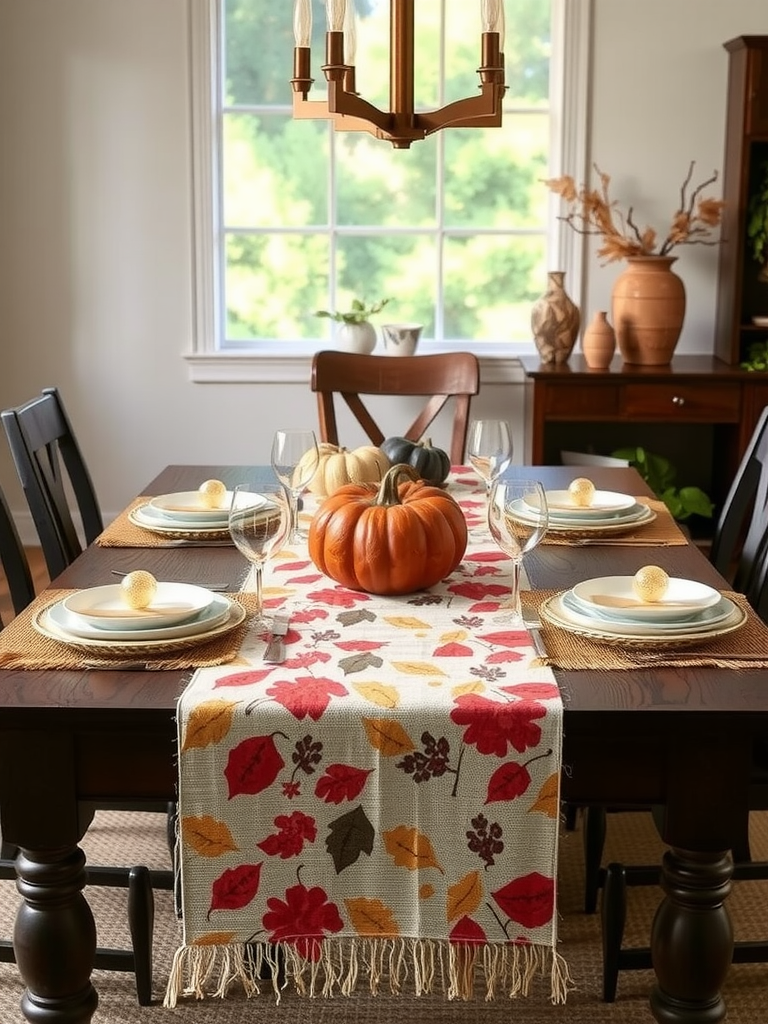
(637, 634)
(703, 621)
(214, 614)
(616, 594)
(187, 507)
(105, 607)
(637, 511)
(624, 522)
(151, 519)
(604, 504)
(45, 625)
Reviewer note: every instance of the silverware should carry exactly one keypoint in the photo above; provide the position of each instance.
(532, 623)
(275, 652)
(219, 588)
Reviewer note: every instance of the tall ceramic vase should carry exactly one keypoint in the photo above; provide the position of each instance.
(555, 321)
(648, 304)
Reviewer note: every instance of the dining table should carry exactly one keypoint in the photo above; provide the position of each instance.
(675, 736)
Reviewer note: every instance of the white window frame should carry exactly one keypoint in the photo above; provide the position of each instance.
(289, 362)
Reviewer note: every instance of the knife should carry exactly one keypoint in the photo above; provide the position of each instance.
(275, 652)
(532, 623)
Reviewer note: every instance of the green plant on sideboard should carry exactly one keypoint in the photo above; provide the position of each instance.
(757, 357)
(660, 475)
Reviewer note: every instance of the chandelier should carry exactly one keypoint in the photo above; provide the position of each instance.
(401, 124)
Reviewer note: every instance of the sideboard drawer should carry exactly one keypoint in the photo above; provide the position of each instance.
(715, 403)
(582, 403)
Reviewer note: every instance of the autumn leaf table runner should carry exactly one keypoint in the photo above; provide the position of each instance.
(381, 806)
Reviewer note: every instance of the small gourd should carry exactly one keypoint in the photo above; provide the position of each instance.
(138, 588)
(339, 466)
(431, 463)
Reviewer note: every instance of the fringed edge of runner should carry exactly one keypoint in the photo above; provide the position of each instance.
(455, 968)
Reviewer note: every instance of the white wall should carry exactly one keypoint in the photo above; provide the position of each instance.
(95, 215)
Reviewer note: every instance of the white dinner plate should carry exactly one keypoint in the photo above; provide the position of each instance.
(49, 625)
(187, 507)
(702, 621)
(639, 515)
(616, 594)
(214, 613)
(105, 607)
(604, 504)
(149, 518)
(643, 635)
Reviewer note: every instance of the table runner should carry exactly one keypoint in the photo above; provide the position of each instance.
(384, 803)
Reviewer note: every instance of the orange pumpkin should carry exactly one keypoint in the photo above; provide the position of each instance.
(393, 538)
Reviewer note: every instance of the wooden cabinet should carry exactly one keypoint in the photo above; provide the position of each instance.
(741, 294)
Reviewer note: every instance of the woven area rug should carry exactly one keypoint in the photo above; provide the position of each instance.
(133, 838)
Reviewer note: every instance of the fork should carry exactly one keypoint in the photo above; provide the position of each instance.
(532, 623)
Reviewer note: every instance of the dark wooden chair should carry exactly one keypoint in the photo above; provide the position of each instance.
(440, 378)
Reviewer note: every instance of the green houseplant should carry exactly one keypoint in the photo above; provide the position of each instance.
(355, 332)
(660, 475)
(757, 221)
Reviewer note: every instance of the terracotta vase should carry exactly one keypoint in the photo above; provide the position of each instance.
(648, 309)
(598, 342)
(555, 321)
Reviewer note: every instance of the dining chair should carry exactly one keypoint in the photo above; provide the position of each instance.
(48, 459)
(439, 378)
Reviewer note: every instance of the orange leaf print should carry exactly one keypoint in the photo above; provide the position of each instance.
(426, 891)
(476, 686)
(215, 939)
(208, 723)
(389, 738)
(207, 836)
(417, 668)
(464, 897)
(382, 694)
(372, 918)
(548, 799)
(411, 849)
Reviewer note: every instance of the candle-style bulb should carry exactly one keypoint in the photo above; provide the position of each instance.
(302, 22)
(350, 35)
(335, 11)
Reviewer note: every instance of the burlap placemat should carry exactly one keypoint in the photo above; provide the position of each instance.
(745, 648)
(662, 532)
(22, 646)
(122, 533)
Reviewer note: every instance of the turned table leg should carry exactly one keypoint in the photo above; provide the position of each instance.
(55, 937)
(692, 938)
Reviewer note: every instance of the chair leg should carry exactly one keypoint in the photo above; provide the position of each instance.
(594, 841)
(613, 916)
(141, 921)
(571, 812)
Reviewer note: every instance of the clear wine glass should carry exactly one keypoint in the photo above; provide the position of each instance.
(518, 517)
(259, 522)
(489, 448)
(295, 458)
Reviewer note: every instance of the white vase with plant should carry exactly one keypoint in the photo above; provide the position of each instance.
(355, 332)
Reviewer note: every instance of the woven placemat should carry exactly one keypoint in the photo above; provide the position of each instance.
(122, 533)
(745, 648)
(662, 532)
(21, 646)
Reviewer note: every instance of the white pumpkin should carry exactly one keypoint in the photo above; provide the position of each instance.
(339, 466)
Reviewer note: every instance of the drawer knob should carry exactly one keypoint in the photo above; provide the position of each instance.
(678, 400)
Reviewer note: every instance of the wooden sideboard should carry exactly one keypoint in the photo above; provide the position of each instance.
(714, 407)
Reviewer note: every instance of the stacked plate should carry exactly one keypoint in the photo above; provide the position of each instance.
(99, 620)
(609, 513)
(183, 516)
(608, 609)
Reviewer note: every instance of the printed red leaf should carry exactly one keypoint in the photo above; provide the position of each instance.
(492, 725)
(453, 650)
(306, 659)
(504, 657)
(507, 638)
(476, 591)
(486, 556)
(309, 614)
(341, 782)
(359, 645)
(303, 908)
(510, 780)
(533, 691)
(312, 578)
(467, 930)
(235, 888)
(529, 900)
(337, 596)
(291, 566)
(288, 841)
(486, 570)
(484, 607)
(253, 765)
(306, 695)
(244, 678)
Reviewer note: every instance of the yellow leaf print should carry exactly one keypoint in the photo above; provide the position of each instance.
(548, 799)
(379, 693)
(372, 918)
(215, 939)
(417, 668)
(405, 622)
(207, 836)
(476, 686)
(454, 636)
(208, 723)
(411, 849)
(464, 897)
(389, 738)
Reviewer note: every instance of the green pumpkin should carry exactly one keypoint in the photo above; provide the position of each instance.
(432, 464)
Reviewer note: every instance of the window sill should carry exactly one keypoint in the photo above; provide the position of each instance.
(291, 363)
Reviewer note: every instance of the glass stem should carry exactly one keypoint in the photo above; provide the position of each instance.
(256, 588)
(295, 535)
(517, 610)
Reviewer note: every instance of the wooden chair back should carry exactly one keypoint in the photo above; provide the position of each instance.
(441, 377)
(16, 570)
(46, 453)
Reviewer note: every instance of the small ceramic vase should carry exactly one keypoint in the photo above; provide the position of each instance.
(598, 342)
(400, 339)
(356, 337)
(555, 321)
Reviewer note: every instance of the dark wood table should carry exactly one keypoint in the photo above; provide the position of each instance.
(677, 737)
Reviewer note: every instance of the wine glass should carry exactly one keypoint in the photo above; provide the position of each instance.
(518, 517)
(295, 458)
(259, 522)
(489, 448)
